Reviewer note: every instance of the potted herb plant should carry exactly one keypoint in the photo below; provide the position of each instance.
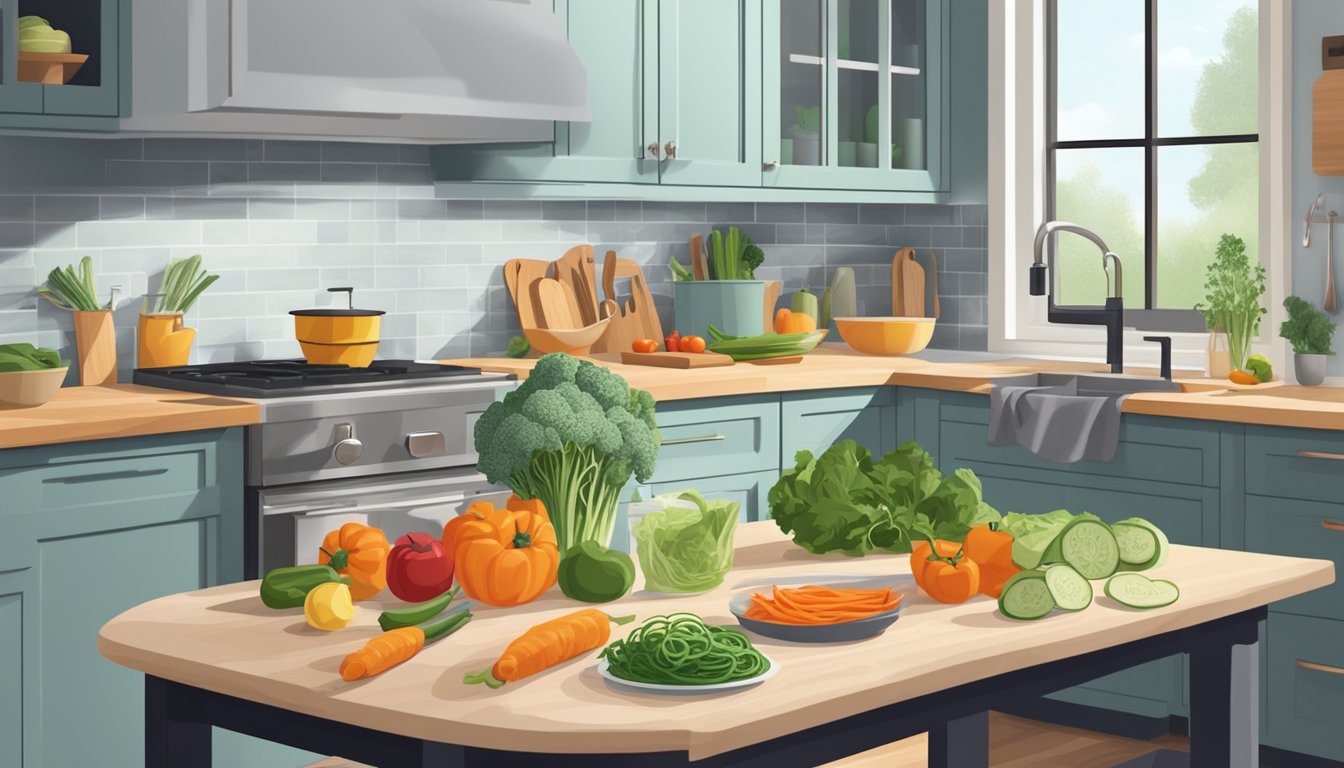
(161, 339)
(732, 299)
(1310, 332)
(95, 337)
(1234, 286)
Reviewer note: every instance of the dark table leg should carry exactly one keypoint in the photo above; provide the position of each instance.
(960, 743)
(1225, 701)
(175, 734)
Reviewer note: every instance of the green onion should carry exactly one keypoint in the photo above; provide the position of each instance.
(183, 283)
(70, 290)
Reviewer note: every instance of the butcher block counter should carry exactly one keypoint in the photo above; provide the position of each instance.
(833, 366)
(220, 650)
(120, 410)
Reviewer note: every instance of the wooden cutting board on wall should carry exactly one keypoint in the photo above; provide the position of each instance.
(1327, 124)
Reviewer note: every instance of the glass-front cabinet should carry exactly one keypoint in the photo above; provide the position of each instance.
(60, 63)
(853, 94)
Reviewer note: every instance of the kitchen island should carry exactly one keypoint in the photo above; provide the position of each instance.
(218, 656)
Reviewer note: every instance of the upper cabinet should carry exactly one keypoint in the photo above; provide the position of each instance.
(748, 100)
(854, 94)
(61, 68)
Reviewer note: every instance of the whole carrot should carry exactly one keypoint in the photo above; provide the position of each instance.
(398, 645)
(548, 644)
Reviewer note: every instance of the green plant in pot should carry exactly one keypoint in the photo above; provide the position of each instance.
(1233, 286)
(1310, 332)
(732, 299)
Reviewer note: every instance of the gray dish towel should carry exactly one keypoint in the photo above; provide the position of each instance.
(1054, 422)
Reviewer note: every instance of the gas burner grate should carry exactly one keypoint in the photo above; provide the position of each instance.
(263, 377)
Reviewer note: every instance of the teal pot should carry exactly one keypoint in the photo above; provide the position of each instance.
(736, 307)
(1310, 369)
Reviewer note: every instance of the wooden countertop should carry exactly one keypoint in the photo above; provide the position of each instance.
(120, 410)
(836, 366)
(225, 640)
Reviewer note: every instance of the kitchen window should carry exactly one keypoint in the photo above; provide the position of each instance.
(1159, 124)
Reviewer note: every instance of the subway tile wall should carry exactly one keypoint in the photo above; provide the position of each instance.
(280, 221)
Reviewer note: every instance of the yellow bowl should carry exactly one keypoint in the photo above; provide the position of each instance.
(353, 355)
(886, 335)
(28, 389)
(337, 329)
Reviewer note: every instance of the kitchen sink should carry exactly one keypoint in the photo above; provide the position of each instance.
(1094, 384)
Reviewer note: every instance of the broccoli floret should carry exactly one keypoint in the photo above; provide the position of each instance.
(571, 435)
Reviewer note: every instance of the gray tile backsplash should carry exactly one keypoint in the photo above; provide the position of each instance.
(281, 221)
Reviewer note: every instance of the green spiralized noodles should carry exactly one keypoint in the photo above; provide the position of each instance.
(680, 649)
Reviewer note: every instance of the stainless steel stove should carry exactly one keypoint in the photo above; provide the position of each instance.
(390, 445)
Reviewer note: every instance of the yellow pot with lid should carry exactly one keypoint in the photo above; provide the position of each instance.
(338, 336)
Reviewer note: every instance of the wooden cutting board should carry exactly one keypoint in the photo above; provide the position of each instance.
(633, 317)
(577, 271)
(912, 287)
(555, 301)
(519, 277)
(676, 359)
(929, 261)
(902, 256)
(698, 266)
(772, 291)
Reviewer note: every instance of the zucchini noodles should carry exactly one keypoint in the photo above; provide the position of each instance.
(680, 649)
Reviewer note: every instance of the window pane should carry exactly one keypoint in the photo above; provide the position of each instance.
(1099, 72)
(858, 88)
(1101, 189)
(909, 128)
(1208, 67)
(1203, 192)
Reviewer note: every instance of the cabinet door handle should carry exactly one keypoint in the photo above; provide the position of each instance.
(770, 165)
(1314, 667)
(670, 150)
(1321, 455)
(98, 477)
(1332, 525)
(690, 440)
(653, 149)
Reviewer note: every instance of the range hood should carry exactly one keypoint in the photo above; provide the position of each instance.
(502, 59)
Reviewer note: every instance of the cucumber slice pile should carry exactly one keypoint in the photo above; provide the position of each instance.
(1090, 547)
(1138, 591)
(1142, 544)
(1026, 597)
(1067, 586)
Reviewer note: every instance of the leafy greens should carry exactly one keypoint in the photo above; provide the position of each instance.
(685, 549)
(26, 357)
(844, 501)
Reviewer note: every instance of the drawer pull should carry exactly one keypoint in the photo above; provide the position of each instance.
(1321, 455)
(1332, 525)
(98, 477)
(1314, 667)
(690, 440)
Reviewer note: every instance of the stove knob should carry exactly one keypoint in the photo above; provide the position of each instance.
(348, 448)
(423, 445)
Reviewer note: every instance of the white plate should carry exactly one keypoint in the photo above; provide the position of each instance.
(604, 671)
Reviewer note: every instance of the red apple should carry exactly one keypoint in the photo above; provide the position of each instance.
(419, 568)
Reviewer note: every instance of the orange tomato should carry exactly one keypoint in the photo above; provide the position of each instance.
(644, 345)
(692, 344)
(1242, 377)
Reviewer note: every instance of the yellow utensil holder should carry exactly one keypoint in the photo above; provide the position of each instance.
(161, 341)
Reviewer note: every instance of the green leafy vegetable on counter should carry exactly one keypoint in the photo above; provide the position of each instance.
(1260, 366)
(686, 549)
(591, 573)
(571, 435)
(26, 357)
(764, 346)
(518, 347)
(844, 501)
(681, 649)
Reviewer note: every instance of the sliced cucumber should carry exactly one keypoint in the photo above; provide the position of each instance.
(1089, 546)
(1138, 591)
(1026, 597)
(1067, 586)
(1136, 554)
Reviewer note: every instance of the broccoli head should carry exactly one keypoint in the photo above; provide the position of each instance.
(571, 435)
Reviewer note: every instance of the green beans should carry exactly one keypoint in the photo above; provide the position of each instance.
(680, 649)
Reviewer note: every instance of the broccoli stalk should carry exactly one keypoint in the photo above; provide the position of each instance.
(571, 435)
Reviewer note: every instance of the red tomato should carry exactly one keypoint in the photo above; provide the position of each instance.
(692, 344)
(419, 568)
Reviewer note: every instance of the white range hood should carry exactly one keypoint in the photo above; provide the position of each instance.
(456, 58)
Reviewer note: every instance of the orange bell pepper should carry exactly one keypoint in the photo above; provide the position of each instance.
(992, 550)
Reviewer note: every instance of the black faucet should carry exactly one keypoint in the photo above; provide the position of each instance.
(1165, 343)
(1112, 315)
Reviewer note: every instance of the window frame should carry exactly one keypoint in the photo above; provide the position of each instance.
(1016, 197)
(1148, 316)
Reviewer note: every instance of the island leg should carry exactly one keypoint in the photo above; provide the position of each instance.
(960, 743)
(1225, 704)
(175, 737)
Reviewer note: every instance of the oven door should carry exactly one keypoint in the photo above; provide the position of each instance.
(294, 519)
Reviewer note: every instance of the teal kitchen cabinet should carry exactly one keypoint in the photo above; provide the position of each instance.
(855, 94)
(1165, 470)
(92, 100)
(717, 437)
(814, 421)
(1305, 685)
(92, 529)
(674, 87)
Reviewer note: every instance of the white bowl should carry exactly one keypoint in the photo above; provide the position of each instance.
(27, 389)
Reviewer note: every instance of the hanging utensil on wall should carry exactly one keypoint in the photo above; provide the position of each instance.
(1330, 303)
